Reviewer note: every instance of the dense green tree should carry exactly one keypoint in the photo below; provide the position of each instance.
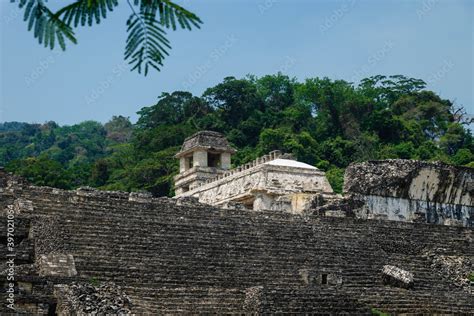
(463, 157)
(326, 123)
(234, 100)
(41, 171)
(100, 173)
(335, 177)
(172, 109)
(455, 138)
(276, 91)
(119, 129)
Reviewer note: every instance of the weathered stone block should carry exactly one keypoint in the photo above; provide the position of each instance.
(397, 277)
(141, 197)
(57, 265)
(412, 191)
(253, 299)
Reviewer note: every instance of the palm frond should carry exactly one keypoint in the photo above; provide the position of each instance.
(47, 28)
(170, 13)
(146, 44)
(86, 12)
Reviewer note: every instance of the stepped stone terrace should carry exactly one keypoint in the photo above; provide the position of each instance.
(88, 251)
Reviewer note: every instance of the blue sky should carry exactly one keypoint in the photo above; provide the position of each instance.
(352, 39)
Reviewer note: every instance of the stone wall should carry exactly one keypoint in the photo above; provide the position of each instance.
(263, 186)
(175, 256)
(409, 190)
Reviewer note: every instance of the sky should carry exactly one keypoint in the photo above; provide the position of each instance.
(351, 39)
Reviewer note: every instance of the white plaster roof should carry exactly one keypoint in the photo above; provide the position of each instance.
(290, 163)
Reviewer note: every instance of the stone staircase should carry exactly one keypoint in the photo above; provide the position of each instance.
(173, 257)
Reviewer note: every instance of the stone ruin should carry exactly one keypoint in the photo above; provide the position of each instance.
(397, 277)
(401, 190)
(273, 182)
(412, 191)
(86, 251)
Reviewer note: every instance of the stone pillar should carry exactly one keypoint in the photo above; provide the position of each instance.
(182, 164)
(200, 158)
(225, 161)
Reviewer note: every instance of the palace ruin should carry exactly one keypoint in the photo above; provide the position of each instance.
(267, 237)
(272, 182)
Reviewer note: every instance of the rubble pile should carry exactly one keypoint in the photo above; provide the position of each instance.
(454, 268)
(87, 299)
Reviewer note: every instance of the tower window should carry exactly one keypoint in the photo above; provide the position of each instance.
(213, 160)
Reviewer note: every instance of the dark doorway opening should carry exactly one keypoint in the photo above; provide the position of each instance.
(324, 279)
(213, 160)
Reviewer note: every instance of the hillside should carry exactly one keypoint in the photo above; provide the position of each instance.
(322, 122)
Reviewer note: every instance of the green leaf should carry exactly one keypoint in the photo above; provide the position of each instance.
(146, 44)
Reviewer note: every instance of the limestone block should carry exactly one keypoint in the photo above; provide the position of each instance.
(262, 202)
(57, 265)
(25, 287)
(234, 206)
(22, 206)
(305, 276)
(453, 222)
(335, 213)
(253, 299)
(141, 197)
(283, 203)
(397, 277)
(86, 191)
(300, 202)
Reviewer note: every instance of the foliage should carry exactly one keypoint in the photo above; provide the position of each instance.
(376, 312)
(322, 122)
(470, 277)
(41, 171)
(119, 129)
(94, 281)
(146, 44)
(335, 177)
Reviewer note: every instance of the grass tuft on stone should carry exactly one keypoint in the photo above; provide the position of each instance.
(470, 277)
(94, 282)
(376, 312)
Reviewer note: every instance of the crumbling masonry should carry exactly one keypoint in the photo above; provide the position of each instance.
(178, 256)
(87, 252)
